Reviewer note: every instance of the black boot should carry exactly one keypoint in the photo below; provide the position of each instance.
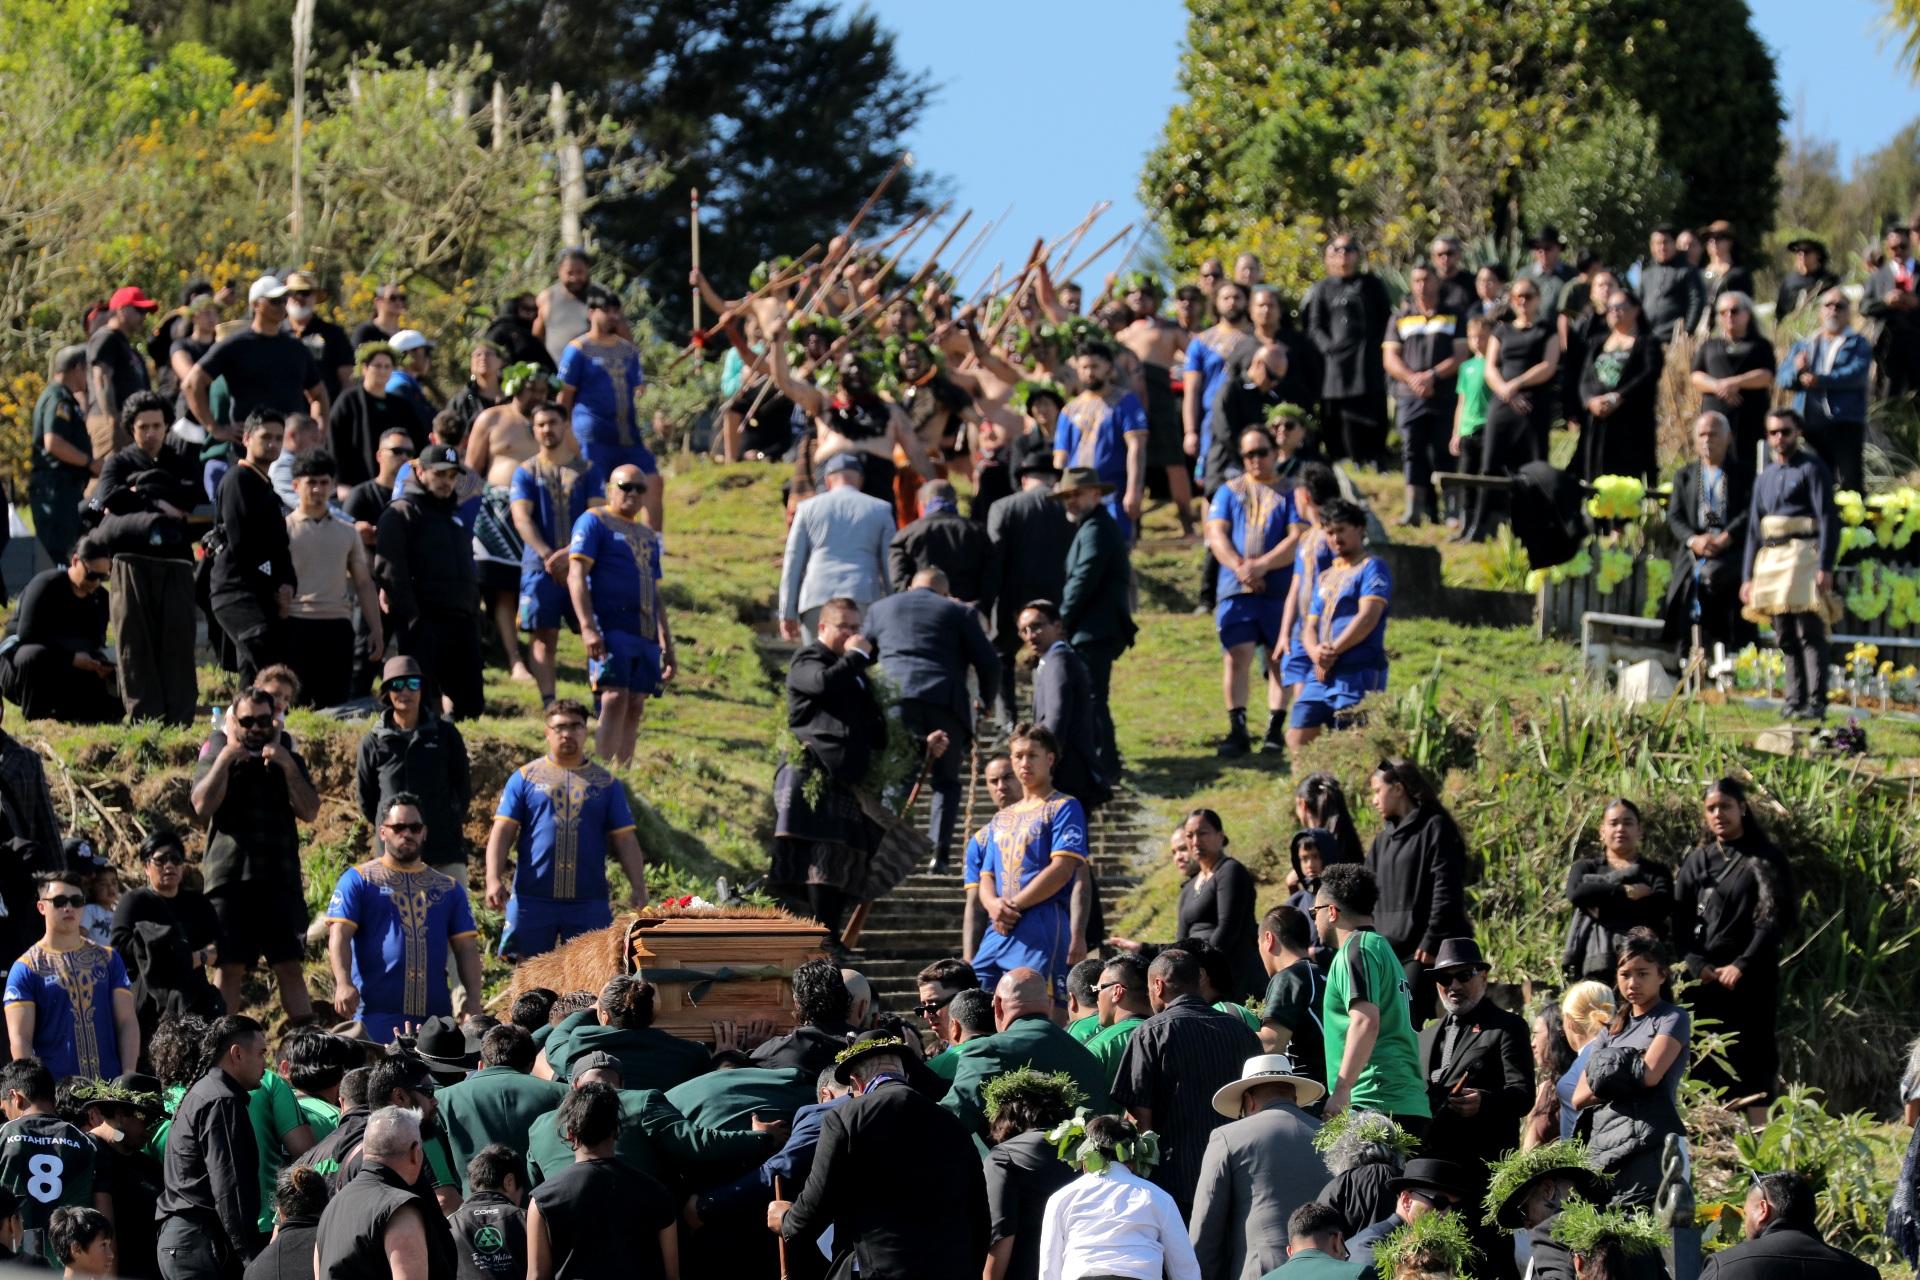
(1274, 742)
(1237, 743)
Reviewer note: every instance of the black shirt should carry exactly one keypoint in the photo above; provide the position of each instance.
(132, 1178)
(1425, 341)
(355, 424)
(367, 501)
(1219, 909)
(327, 343)
(270, 370)
(1021, 1173)
(369, 331)
(213, 1163)
(1345, 317)
(351, 1239)
(470, 404)
(53, 614)
(1294, 997)
(258, 560)
(194, 349)
(187, 911)
(126, 368)
(288, 1256)
(1722, 357)
(253, 834)
(605, 1219)
(1174, 1064)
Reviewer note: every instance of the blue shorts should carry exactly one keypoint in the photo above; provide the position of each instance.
(631, 663)
(1296, 667)
(607, 456)
(1039, 942)
(544, 603)
(1316, 713)
(535, 926)
(1249, 619)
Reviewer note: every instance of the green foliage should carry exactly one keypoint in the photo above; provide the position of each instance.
(1401, 119)
(1583, 1228)
(1357, 1128)
(1605, 187)
(783, 114)
(1050, 1092)
(1513, 1172)
(1432, 1242)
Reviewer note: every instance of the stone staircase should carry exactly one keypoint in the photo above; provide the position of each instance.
(920, 921)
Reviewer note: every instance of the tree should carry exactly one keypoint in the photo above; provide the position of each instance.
(782, 113)
(1577, 188)
(1402, 118)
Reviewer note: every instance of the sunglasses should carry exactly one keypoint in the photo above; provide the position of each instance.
(405, 684)
(97, 577)
(927, 1008)
(254, 722)
(1433, 1199)
(1458, 978)
(628, 486)
(170, 856)
(57, 900)
(407, 828)
(397, 297)
(1249, 455)
(1108, 986)
(1526, 297)
(1833, 306)
(391, 451)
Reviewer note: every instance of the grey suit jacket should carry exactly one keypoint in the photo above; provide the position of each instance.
(925, 643)
(1256, 1172)
(836, 547)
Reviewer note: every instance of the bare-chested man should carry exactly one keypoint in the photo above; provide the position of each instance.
(502, 439)
(1159, 345)
(853, 419)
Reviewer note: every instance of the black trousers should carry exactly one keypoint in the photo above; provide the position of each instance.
(322, 653)
(1803, 643)
(1008, 696)
(1423, 448)
(1841, 445)
(1100, 655)
(197, 1251)
(46, 685)
(151, 607)
(447, 647)
(257, 631)
(1355, 427)
(922, 718)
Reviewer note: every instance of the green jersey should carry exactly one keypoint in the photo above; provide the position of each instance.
(1471, 385)
(1084, 1029)
(1111, 1042)
(1366, 970)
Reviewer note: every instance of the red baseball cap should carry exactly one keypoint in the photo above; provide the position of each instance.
(131, 295)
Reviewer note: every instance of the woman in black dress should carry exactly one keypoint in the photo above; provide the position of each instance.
(1580, 330)
(1613, 894)
(1217, 904)
(1734, 906)
(1733, 372)
(1619, 386)
(1523, 359)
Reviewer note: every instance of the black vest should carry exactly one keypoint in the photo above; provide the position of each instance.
(351, 1240)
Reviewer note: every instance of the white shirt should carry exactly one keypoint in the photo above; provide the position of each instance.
(1114, 1224)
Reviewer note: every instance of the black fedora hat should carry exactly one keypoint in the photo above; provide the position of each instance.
(1434, 1175)
(1458, 953)
(446, 1049)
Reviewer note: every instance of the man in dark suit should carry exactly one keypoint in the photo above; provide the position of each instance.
(925, 642)
(944, 539)
(1063, 704)
(1094, 603)
(1478, 1062)
(832, 710)
(1782, 1241)
(1708, 517)
(894, 1175)
(1030, 535)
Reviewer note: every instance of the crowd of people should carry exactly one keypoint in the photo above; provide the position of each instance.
(1328, 1085)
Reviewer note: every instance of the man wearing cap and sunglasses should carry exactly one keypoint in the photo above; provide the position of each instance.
(263, 366)
(324, 340)
(423, 560)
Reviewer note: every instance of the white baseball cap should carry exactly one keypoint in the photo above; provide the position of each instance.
(266, 287)
(409, 340)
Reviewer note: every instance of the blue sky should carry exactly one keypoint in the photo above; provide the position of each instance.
(1052, 104)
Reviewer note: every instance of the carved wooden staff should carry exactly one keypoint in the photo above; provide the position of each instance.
(693, 229)
(1095, 256)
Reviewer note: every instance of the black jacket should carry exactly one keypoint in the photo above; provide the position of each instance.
(1029, 534)
(883, 1159)
(1492, 1052)
(423, 559)
(1063, 705)
(1420, 863)
(1094, 603)
(832, 710)
(289, 1255)
(430, 760)
(131, 482)
(1603, 915)
(925, 642)
(1734, 906)
(489, 1237)
(1781, 1253)
(951, 543)
(213, 1166)
(258, 559)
